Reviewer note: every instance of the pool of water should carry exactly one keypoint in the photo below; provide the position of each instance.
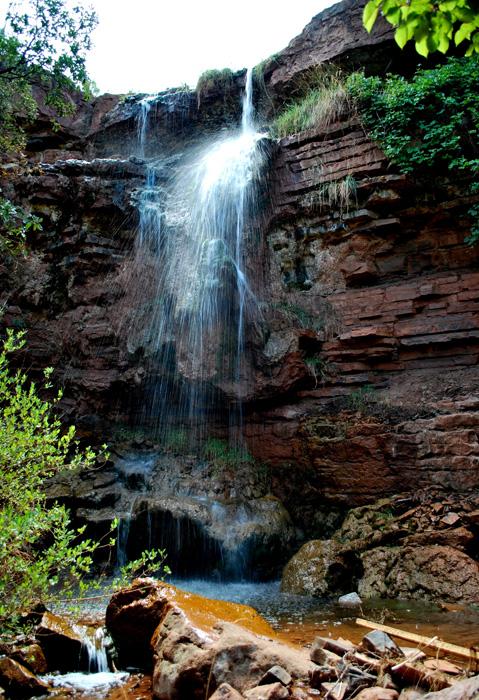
(300, 618)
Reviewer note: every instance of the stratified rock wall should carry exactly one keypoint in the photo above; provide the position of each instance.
(364, 378)
(379, 297)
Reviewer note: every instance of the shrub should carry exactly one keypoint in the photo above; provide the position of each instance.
(428, 124)
(15, 223)
(40, 552)
(337, 194)
(223, 455)
(214, 79)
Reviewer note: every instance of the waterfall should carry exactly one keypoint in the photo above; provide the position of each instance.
(142, 121)
(93, 646)
(190, 250)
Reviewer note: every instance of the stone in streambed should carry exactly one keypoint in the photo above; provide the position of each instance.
(381, 644)
(18, 681)
(435, 572)
(226, 692)
(132, 616)
(323, 657)
(350, 600)
(273, 691)
(276, 674)
(200, 643)
(377, 693)
(315, 567)
(32, 657)
(467, 689)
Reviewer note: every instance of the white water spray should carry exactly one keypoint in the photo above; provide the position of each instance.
(195, 241)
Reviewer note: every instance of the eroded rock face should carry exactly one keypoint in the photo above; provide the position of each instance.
(391, 549)
(320, 567)
(365, 362)
(435, 572)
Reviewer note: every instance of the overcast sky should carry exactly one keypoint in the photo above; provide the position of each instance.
(149, 45)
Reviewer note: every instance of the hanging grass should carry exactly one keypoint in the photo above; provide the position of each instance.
(324, 99)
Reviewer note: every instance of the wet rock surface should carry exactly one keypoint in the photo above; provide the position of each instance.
(18, 681)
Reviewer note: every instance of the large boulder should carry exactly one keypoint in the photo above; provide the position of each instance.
(18, 681)
(61, 642)
(320, 568)
(132, 616)
(435, 572)
(199, 644)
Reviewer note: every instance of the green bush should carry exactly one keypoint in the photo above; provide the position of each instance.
(428, 124)
(15, 223)
(41, 554)
(222, 455)
(214, 78)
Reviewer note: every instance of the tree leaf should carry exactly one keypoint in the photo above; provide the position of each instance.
(370, 14)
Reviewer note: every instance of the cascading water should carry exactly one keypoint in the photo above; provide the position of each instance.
(193, 303)
(190, 247)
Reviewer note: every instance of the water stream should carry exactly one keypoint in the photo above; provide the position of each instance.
(191, 249)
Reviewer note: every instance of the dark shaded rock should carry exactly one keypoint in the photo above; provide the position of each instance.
(276, 674)
(32, 657)
(322, 656)
(132, 616)
(381, 644)
(18, 681)
(322, 674)
(338, 646)
(319, 568)
(60, 641)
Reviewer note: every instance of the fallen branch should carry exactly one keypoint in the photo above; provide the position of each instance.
(463, 652)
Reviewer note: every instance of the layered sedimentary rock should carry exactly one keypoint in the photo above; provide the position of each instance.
(363, 370)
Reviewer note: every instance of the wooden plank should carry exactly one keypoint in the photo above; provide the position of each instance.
(454, 649)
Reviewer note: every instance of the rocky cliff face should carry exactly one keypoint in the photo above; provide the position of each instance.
(364, 367)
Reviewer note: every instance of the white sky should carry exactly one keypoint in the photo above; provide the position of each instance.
(149, 45)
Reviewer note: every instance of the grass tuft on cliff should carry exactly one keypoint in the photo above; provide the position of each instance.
(322, 99)
(214, 79)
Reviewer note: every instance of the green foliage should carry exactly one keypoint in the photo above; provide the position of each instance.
(40, 552)
(323, 98)
(15, 223)
(44, 43)
(426, 125)
(318, 367)
(214, 79)
(433, 26)
(299, 316)
(359, 399)
(221, 455)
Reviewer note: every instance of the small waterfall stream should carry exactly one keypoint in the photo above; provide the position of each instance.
(192, 304)
(191, 248)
